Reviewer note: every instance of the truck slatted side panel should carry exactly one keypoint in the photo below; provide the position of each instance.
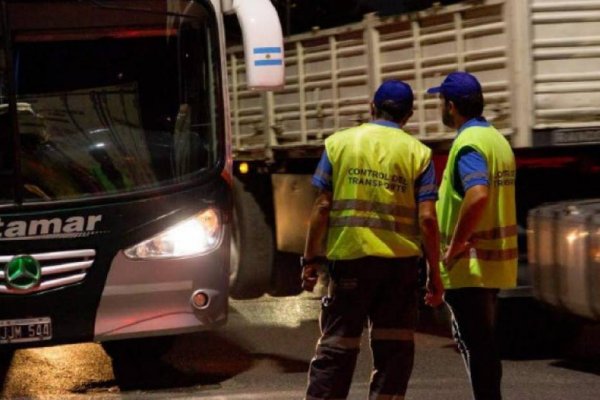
(473, 39)
(566, 63)
(331, 75)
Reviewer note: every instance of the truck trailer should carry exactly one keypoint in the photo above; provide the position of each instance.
(539, 65)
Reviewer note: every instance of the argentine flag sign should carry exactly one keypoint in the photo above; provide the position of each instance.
(267, 56)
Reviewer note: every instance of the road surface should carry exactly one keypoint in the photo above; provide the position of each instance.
(264, 353)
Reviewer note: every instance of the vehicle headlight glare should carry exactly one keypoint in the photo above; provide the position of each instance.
(197, 235)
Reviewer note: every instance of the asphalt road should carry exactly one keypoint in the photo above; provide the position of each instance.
(264, 352)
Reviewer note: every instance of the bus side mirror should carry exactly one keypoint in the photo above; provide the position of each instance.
(263, 42)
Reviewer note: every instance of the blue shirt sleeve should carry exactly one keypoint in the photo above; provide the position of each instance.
(425, 186)
(473, 169)
(322, 178)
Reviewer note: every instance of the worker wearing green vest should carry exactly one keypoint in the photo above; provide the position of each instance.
(375, 211)
(477, 218)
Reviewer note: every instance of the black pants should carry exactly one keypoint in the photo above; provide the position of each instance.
(473, 321)
(384, 293)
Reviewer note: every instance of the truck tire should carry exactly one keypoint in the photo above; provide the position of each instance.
(251, 247)
(286, 279)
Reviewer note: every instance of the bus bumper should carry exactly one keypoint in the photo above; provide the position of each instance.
(155, 298)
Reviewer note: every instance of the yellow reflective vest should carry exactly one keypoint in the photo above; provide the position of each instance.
(491, 262)
(374, 210)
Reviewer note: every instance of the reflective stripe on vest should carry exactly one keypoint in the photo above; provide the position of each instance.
(377, 223)
(491, 255)
(497, 233)
(491, 234)
(381, 221)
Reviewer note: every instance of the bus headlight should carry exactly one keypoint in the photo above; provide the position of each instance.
(194, 236)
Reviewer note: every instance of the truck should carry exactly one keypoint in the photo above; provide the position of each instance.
(539, 64)
(115, 165)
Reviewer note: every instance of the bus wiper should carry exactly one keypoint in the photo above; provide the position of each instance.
(105, 5)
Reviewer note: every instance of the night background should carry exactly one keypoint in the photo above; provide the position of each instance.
(303, 15)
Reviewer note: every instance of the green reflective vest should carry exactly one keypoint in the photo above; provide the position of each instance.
(491, 262)
(374, 210)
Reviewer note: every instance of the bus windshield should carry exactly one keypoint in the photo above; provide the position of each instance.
(109, 99)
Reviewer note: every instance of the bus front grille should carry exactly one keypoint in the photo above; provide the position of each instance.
(57, 269)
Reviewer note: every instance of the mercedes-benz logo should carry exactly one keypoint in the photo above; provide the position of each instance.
(22, 272)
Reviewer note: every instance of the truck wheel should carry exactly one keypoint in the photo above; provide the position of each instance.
(251, 247)
(286, 280)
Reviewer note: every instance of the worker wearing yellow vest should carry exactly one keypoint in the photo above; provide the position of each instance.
(375, 211)
(477, 217)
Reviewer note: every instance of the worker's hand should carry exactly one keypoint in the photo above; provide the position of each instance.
(310, 276)
(435, 290)
(452, 253)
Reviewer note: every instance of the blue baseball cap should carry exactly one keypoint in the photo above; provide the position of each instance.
(457, 85)
(393, 90)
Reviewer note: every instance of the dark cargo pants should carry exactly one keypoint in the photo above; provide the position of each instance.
(473, 324)
(383, 292)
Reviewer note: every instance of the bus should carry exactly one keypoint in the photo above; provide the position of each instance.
(115, 164)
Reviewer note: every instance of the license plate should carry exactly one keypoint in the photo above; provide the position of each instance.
(25, 330)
